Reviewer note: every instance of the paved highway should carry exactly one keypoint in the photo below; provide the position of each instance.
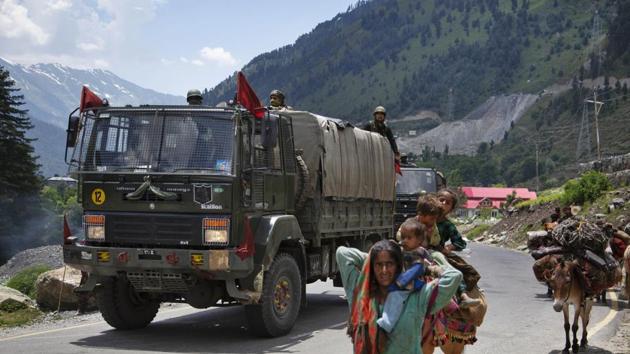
(520, 319)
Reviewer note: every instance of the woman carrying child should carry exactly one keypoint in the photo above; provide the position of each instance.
(369, 279)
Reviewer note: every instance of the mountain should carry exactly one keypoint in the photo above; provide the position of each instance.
(488, 122)
(504, 80)
(52, 91)
(412, 56)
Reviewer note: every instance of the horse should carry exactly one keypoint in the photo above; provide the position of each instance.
(568, 289)
(544, 267)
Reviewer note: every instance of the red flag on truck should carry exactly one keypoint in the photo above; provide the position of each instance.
(246, 96)
(89, 99)
(66, 230)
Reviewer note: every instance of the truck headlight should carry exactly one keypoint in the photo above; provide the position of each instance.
(216, 231)
(94, 227)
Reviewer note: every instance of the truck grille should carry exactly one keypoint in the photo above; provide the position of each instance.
(157, 281)
(153, 229)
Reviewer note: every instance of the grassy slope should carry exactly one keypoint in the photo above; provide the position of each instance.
(349, 94)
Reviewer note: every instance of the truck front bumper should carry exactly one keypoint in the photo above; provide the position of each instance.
(221, 264)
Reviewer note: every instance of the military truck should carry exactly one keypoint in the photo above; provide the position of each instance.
(413, 182)
(213, 206)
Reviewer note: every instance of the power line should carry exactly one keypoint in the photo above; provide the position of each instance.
(583, 148)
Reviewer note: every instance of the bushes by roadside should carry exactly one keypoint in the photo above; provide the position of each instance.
(590, 186)
(477, 231)
(14, 313)
(24, 281)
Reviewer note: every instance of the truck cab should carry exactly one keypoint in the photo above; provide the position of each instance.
(414, 182)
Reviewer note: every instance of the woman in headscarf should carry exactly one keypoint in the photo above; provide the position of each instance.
(367, 279)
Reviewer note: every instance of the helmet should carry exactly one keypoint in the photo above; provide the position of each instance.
(277, 93)
(379, 109)
(193, 93)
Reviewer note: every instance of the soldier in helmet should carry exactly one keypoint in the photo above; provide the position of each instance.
(378, 126)
(276, 100)
(194, 97)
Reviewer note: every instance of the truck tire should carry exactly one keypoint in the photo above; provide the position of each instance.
(280, 301)
(302, 182)
(122, 307)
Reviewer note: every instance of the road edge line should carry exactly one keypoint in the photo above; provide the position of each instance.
(614, 311)
(54, 330)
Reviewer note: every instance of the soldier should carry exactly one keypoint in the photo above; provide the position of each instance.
(194, 97)
(378, 126)
(276, 101)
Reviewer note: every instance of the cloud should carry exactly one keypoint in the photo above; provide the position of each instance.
(197, 62)
(183, 59)
(218, 55)
(101, 63)
(89, 47)
(59, 5)
(16, 23)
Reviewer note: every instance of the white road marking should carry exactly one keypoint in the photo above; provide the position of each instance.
(614, 310)
(73, 327)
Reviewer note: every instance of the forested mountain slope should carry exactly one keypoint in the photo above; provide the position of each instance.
(408, 55)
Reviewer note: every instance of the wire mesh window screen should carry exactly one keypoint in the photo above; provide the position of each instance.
(158, 141)
(266, 146)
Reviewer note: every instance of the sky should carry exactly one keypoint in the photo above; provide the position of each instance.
(166, 45)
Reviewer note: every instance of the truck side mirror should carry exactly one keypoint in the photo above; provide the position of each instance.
(72, 131)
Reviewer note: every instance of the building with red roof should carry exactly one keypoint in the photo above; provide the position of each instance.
(489, 198)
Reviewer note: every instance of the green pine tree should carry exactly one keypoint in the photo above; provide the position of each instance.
(18, 166)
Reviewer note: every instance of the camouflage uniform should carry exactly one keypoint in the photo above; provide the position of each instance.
(384, 130)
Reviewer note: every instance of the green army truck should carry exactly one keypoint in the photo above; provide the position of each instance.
(212, 206)
(410, 185)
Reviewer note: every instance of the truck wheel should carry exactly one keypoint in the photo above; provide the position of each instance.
(122, 307)
(280, 300)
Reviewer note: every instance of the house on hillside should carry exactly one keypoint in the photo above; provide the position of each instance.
(57, 181)
(490, 199)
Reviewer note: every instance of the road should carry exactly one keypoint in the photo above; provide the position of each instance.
(520, 319)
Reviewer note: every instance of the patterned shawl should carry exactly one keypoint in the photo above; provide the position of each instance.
(362, 327)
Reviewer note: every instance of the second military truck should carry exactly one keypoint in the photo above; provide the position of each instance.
(211, 205)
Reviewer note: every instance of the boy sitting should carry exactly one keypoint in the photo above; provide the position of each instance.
(416, 264)
(431, 210)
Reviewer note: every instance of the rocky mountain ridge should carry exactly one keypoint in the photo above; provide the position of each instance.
(52, 91)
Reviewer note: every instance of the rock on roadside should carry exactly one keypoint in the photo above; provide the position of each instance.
(51, 283)
(11, 295)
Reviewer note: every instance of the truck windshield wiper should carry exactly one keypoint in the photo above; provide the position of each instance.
(131, 168)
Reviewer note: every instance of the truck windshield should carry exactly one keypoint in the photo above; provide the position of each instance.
(158, 141)
(415, 181)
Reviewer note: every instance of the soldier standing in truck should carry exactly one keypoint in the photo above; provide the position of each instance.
(378, 126)
(194, 98)
(276, 101)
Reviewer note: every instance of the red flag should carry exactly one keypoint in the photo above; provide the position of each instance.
(89, 99)
(246, 96)
(66, 230)
(247, 248)
(397, 167)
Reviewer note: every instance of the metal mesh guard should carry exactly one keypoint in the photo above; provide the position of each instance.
(154, 141)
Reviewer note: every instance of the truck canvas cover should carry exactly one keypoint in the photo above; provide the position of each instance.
(354, 161)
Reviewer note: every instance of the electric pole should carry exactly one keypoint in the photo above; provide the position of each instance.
(537, 175)
(583, 149)
(597, 106)
(450, 106)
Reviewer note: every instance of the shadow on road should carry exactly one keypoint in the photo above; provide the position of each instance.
(223, 330)
(589, 350)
